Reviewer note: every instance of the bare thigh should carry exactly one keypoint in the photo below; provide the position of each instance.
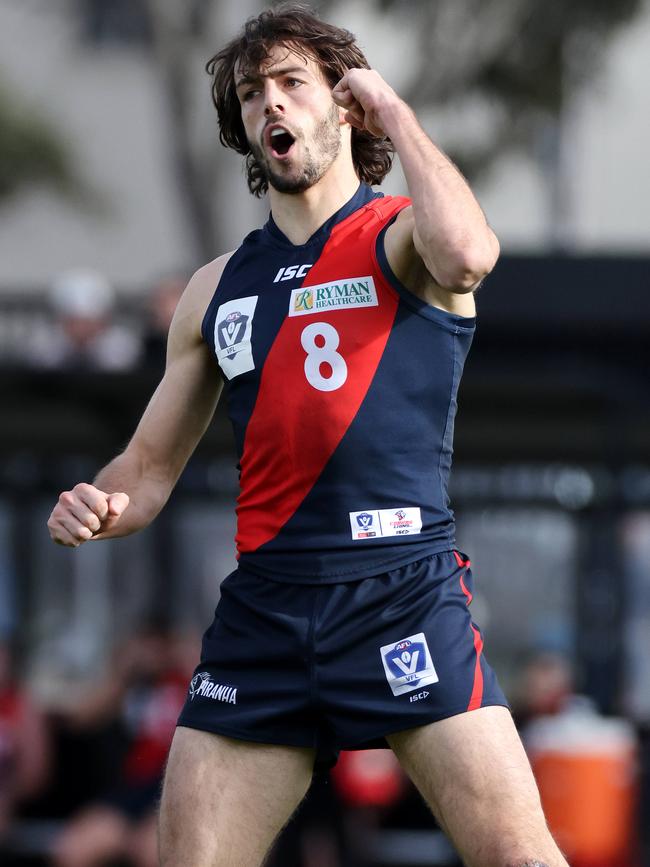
(474, 774)
(225, 801)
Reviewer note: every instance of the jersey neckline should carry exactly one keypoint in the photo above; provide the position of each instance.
(363, 195)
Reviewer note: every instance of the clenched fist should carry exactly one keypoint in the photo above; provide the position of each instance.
(364, 95)
(85, 513)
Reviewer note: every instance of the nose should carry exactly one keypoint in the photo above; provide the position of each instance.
(272, 98)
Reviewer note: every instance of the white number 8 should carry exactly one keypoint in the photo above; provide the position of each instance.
(325, 354)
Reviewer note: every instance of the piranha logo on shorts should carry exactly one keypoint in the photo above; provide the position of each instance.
(202, 686)
(408, 664)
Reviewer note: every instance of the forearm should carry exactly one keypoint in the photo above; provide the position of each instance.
(451, 233)
(147, 488)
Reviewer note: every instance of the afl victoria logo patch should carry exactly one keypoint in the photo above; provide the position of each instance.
(408, 664)
(233, 329)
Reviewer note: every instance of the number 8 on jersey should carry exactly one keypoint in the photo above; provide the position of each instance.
(318, 355)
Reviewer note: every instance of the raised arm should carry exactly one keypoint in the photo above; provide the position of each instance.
(441, 247)
(130, 491)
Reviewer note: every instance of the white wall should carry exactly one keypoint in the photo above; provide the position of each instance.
(110, 108)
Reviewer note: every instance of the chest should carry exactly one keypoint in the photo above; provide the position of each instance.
(312, 308)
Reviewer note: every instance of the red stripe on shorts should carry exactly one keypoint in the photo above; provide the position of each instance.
(477, 689)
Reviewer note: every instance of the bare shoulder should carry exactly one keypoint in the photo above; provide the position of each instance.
(410, 270)
(202, 285)
(186, 324)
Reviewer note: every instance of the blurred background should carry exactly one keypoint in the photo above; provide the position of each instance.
(113, 190)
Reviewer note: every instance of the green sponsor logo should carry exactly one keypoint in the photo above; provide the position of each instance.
(340, 295)
(351, 293)
(304, 300)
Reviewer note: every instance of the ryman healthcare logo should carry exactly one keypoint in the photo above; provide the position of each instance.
(346, 294)
(408, 664)
(202, 686)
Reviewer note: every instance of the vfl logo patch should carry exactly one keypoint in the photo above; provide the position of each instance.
(408, 664)
(202, 686)
(386, 522)
(365, 525)
(233, 329)
(231, 332)
(346, 294)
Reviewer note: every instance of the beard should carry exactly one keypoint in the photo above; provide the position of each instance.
(324, 149)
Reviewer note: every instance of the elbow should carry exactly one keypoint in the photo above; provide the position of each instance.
(466, 266)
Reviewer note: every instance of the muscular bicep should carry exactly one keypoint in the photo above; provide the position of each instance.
(409, 268)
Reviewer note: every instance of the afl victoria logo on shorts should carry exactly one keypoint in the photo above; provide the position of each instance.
(233, 329)
(408, 664)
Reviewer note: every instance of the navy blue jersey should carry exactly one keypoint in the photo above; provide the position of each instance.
(341, 388)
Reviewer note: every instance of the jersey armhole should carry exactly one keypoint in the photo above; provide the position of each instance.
(450, 321)
(210, 312)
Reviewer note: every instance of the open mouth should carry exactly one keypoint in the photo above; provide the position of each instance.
(280, 141)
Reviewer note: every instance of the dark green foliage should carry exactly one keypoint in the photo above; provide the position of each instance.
(527, 57)
(31, 152)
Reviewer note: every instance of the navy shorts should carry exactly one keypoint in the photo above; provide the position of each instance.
(339, 666)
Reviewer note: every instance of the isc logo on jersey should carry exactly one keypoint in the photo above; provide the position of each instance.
(292, 272)
(349, 293)
(407, 664)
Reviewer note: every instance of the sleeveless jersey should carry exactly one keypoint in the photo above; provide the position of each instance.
(341, 389)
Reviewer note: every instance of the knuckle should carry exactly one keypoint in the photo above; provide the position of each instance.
(66, 498)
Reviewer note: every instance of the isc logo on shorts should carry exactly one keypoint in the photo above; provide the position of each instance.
(408, 664)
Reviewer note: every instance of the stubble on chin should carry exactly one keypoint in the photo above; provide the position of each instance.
(326, 143)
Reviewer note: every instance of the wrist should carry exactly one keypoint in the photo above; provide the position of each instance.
(394, 115)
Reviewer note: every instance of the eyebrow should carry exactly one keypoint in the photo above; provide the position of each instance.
(258, 76)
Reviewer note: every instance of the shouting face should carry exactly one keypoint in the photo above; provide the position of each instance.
(292, 124)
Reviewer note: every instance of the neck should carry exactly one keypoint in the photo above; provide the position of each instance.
(299, 215)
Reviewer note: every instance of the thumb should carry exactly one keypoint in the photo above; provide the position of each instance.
(117, 503)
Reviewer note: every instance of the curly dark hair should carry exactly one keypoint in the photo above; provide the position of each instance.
(333, 48)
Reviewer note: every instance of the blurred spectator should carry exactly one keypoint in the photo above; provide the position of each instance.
(545, 685)
(161, 303)
(145, 690)
(84, 335)
(24, 745)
